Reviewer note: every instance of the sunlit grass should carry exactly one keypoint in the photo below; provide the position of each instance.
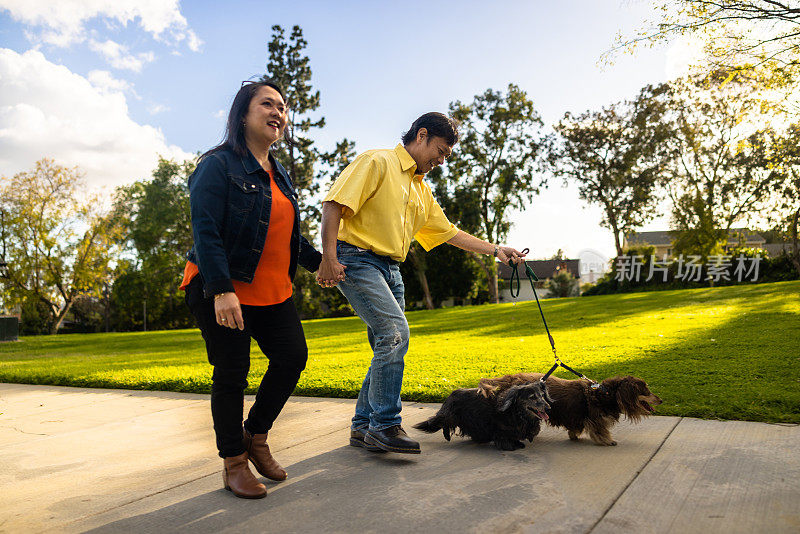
(730, 352)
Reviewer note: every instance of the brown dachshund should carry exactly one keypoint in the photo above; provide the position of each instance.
(576, 406)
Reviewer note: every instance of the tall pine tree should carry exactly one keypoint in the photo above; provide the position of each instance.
(291, 69)
(309, 167)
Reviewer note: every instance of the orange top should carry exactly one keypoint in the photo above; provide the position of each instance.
(271, 283)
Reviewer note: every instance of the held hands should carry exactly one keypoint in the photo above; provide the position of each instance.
(506, 254)
(330, 272)
(228, 311)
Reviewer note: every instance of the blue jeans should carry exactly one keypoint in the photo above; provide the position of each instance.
(375, 290)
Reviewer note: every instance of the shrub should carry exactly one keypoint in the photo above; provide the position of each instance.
(562, 285)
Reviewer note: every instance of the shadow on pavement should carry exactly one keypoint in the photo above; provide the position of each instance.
(458, 486)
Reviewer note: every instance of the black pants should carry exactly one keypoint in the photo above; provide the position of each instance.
(279, 335)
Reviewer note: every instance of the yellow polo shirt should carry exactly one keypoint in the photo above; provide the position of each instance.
(387, 204)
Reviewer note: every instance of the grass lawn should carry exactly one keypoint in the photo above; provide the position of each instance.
(730, 352)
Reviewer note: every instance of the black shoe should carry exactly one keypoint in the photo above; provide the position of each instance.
(357, 440)
(392, 439)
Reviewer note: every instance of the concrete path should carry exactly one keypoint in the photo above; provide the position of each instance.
(77, 460)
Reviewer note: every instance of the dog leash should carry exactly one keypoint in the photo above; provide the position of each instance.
(533, 278)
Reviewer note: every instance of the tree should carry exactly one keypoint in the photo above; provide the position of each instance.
(308, 166)
(291, 69)
(782, 154)
(716, 176)
(59, 239)
(449, 273)
(738, 34)
(616, 157)
(493, 167)
(315, 301)
(417, 256)
(157, 216)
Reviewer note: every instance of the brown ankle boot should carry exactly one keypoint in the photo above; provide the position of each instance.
(257, 448)
(238, 478)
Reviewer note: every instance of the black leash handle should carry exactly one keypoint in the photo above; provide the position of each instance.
(515, 276)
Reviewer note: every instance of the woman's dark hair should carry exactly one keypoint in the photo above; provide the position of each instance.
(437, 124)
(234, 129)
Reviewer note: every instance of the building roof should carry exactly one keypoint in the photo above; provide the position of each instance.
(664, 237)
(776, 249)
(660, 237)
(543, 269)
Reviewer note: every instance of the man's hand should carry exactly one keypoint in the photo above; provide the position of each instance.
(228, 311)
(506, 254)
(330, 272)
(470, 242)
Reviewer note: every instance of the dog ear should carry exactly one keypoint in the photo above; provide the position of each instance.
(546, 394)
(507, 398)
(627, 395)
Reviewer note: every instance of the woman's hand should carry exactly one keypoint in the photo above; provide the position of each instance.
(330, 272)
(228, 310)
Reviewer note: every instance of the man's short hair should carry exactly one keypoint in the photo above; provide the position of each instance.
(437, 124)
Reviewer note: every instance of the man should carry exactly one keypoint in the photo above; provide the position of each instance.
(375, 207)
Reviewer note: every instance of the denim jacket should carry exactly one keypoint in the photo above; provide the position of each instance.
(230, 199)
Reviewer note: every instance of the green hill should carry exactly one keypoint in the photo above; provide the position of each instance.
(729, 352)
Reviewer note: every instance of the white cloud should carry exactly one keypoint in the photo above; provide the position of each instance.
(195, 43)
(221, 114)
(48, 111)
(62, 22)
(105, 81)
(119, 57)
(155, 109)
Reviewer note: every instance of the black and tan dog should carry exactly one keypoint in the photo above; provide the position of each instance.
(577, 406)
(506, 418)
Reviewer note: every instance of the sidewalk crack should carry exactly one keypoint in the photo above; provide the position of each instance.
(100, 512)
(635, 476)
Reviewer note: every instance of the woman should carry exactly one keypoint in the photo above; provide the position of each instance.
(238, 280)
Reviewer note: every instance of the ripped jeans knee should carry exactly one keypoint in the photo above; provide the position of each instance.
(392, 341)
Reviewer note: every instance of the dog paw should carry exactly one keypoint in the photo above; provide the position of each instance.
(606, 443)
(510, 445)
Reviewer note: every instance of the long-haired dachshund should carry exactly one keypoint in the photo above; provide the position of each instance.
(576, 406)
(506, 418)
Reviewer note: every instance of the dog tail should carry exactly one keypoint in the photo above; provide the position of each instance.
(430, 426)
(437, 422)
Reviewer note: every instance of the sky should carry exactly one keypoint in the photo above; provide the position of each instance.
(109, 85)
